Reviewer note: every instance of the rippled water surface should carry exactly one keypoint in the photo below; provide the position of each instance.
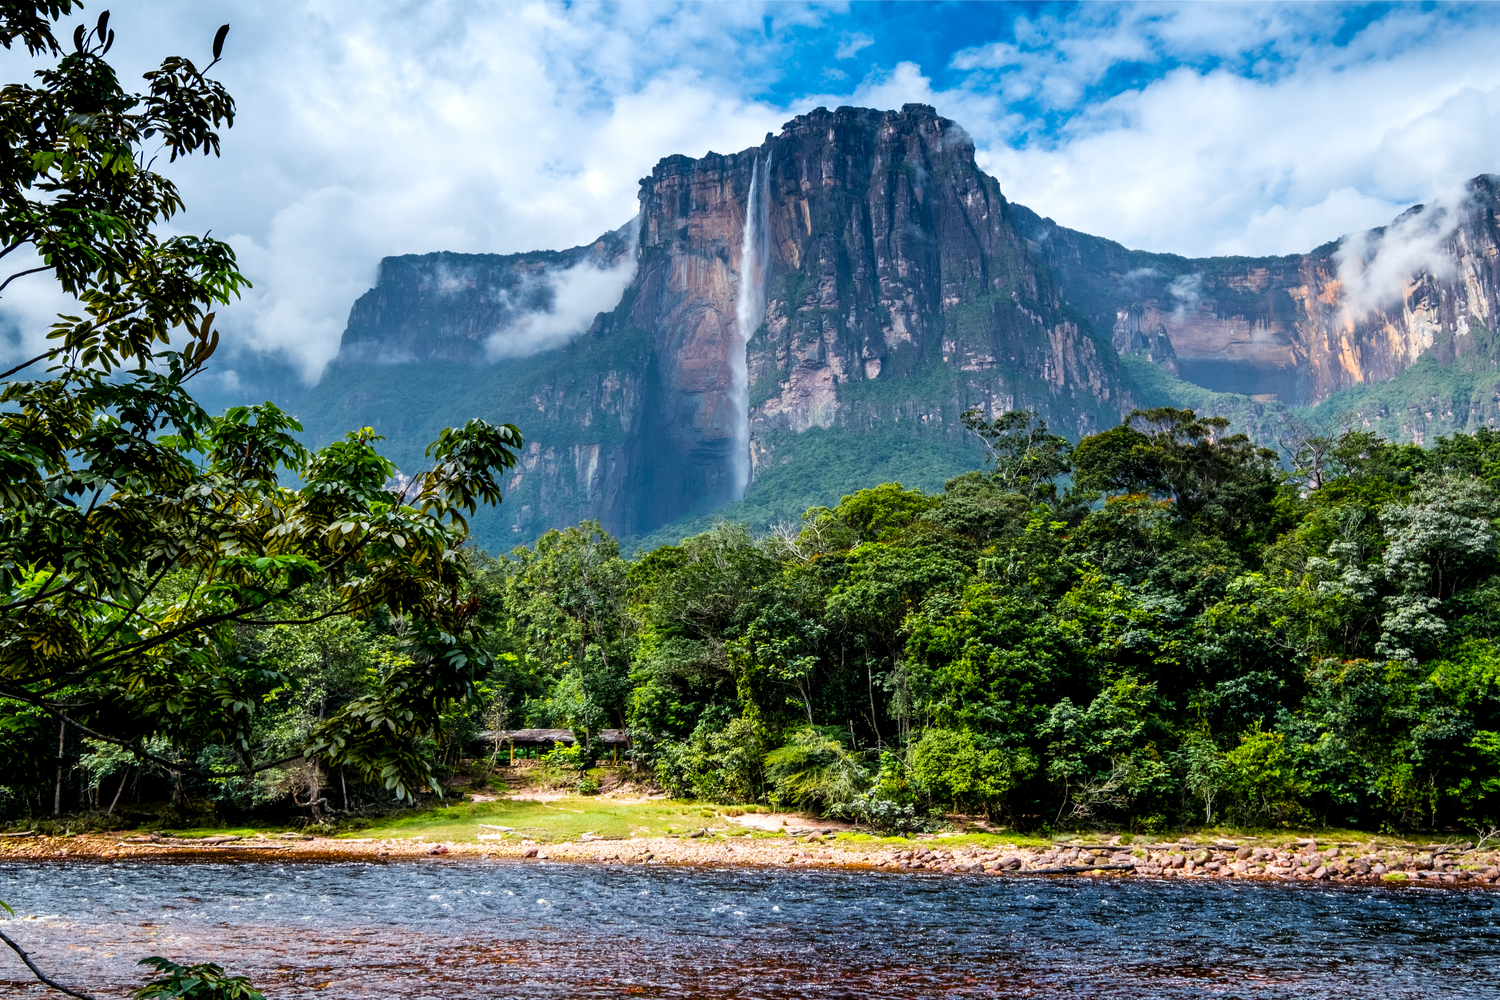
(509, 929)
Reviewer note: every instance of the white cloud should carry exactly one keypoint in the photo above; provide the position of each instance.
(1188, 291)
(1374, 268)
(32, 305)
(579, 293)
(1327, 141)
(852, 44)
(369, 130)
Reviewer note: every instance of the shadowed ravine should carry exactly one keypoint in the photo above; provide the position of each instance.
(505, 929)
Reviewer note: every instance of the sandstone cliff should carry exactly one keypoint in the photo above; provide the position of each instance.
(895, 293)
(1300, 328)
(462, 306)
(884, 284)
(891, 256)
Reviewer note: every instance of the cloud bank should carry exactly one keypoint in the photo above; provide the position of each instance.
(578, 294)
(1375, 266)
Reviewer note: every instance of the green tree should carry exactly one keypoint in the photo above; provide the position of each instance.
(815, 769)
(1103, 756)
(689, 604)
(881, 513)
(567, 598)
(966, 770)
(1263, 780)
(136, 531)
(1177, 454)
(1027, 458)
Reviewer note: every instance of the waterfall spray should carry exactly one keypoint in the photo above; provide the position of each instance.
(749, 308)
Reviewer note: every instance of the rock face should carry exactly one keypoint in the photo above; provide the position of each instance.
(892, 287)
(461, 306)
(891, 256)
(897, 293)
(1298, 328)
(896, 258)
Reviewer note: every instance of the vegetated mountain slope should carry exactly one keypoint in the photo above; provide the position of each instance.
(895, 286)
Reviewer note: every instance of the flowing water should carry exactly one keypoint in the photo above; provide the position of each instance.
(538, 930)
(749, 309)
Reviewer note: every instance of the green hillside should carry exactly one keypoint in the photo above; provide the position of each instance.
(818, 467)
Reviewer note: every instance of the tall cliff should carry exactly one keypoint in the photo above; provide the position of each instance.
(896, 289)
(1298, 329)
(812, 314)
(474, 307)
(896, 293)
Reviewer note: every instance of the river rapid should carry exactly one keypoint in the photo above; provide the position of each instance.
(441, 928)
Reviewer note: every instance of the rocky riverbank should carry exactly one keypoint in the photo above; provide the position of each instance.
(1445, 864)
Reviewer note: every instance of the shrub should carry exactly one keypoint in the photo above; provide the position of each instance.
(962, 768)
(1263, 781)
(815, 770)
(204, 981)
(723, 766)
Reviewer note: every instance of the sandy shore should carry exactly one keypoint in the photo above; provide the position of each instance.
(1303, 861)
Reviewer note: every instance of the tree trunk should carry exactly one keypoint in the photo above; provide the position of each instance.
(116, 801)
(62, 732)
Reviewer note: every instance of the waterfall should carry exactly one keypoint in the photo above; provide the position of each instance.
(749, 308)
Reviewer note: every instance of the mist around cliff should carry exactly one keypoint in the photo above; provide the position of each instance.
(577, 294)
(1376, 267)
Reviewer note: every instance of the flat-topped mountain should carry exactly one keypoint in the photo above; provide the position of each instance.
(811, 315)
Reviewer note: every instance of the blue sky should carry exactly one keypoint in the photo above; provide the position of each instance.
(370, 128)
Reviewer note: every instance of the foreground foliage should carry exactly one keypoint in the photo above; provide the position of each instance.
(1157, 626)
(150, 552)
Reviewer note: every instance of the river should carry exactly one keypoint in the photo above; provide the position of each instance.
(539, 930)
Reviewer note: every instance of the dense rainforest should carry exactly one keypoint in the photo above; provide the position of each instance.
(1160, 626)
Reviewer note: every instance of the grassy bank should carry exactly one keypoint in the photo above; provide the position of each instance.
(567, 819)
(549, 822)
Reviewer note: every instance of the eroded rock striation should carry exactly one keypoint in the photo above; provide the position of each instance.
(897, 293)
(891, 256)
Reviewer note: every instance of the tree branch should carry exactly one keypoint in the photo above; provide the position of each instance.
(22, 274)
(27, 364)
(171, 765)
(38, 972)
